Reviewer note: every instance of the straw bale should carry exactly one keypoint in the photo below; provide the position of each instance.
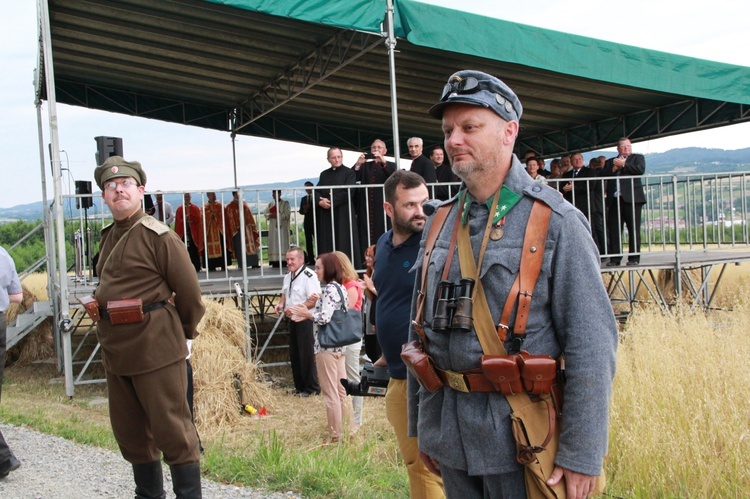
(37, 345)
(219, 360)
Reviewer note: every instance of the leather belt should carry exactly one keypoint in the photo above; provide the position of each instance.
(466, 381)
(146, 308)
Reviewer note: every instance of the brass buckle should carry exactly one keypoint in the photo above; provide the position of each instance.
(456, 381)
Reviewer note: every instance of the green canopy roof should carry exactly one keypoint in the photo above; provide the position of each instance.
(314, 72)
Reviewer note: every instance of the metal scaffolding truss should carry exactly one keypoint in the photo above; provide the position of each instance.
(325, 60)
(691, 285)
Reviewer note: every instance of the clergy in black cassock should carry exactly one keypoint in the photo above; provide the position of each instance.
(373, 221)
(335, 221)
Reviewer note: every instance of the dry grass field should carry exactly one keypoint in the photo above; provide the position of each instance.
(680, 426)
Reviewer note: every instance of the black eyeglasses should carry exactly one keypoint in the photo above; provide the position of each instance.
(468, 85)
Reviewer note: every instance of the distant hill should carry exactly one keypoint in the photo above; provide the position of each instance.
(34, 211)
(687, 160)
(691, 160)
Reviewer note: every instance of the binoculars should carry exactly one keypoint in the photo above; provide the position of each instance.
(454, 307)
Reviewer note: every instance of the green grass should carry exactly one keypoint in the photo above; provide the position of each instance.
(368, 466)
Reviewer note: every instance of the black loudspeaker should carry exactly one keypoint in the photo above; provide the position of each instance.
(84, 187)
(106, 147)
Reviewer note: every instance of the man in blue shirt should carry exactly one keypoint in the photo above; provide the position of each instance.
(405, 193)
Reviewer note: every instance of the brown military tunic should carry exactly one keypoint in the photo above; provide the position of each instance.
(145, 362)
(149, 264)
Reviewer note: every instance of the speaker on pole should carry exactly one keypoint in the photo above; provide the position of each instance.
(106, 147)
(84, 187)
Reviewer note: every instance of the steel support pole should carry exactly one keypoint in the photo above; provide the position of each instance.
(63, 327)
(390, 42)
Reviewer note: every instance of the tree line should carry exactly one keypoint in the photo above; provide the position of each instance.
(33, 248)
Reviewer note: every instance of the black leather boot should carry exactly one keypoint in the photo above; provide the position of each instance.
(186, 480)
(149, 481)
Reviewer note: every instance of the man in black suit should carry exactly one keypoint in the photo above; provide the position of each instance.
(597, 188)
(625, 200)
(307, 210)
(420, 164)
(371, 169)
(576, 191)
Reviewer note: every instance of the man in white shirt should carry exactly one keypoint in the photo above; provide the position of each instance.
(301, 285)
(163, 210)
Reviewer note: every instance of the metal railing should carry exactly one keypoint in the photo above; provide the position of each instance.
(680, 212)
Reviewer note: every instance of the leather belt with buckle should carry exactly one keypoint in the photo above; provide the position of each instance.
(467, 381)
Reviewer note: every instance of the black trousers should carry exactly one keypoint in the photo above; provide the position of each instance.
(302, 357)
(309, 243)
(195, 257)
(630, 216)
(598, 230)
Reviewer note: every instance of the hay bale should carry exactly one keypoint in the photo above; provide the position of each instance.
(219, 358)
(38, 344)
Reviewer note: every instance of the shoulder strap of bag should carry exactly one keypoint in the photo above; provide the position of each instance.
(341, 295)
(521, 291)
(531, 261)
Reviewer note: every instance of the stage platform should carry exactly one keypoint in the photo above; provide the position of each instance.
(699, 275)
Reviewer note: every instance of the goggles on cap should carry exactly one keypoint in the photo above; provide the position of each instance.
(458, 85)
(470, 85)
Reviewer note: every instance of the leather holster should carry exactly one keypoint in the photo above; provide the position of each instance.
(91, 306)
(420, 366)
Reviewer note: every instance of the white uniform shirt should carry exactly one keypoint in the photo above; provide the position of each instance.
(299, 289)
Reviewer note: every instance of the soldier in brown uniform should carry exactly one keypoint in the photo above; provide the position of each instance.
(145, 361)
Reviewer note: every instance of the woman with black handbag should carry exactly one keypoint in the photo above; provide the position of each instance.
(330, 362)
(352, 352)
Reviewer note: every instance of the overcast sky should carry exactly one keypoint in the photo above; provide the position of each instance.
(190, 158)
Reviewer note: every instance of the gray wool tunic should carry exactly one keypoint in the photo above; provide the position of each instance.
(570, 313)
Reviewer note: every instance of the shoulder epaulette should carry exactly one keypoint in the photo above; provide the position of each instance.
(151, 223)
(308, 272)
(549, 196)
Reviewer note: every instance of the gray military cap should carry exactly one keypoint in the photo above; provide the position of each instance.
(479, 89)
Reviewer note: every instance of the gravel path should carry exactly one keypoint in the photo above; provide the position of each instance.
(55, 468)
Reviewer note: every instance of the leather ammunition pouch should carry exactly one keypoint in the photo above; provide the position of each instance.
(526, 373)
(538, 372)
(420, 366)
(127, 311)
(503, 373)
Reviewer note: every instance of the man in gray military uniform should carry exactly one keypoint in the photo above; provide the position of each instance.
(466, 435)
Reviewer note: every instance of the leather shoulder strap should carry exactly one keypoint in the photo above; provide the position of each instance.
(534, 242)
(437, 224)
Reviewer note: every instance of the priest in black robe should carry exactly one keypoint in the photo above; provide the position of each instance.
(335, 221)
(372, 169)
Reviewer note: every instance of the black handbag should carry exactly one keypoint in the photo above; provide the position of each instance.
(344, 328)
